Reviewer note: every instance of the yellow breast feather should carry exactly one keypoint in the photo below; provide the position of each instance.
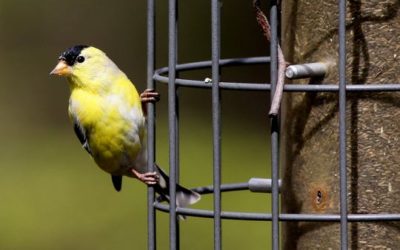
(113, 121)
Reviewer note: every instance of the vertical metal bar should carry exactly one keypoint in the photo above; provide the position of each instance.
(274, 128)
(172, 121)
(176, 91)
(342, 124)
(177, 141)
(151, 213)
(216, 117)
(177, 160)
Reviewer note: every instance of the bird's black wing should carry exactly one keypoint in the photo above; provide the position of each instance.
(82, 136)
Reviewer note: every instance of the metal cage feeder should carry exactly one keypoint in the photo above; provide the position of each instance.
(168, 75)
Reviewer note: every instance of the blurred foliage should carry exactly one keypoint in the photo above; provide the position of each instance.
(52, 195)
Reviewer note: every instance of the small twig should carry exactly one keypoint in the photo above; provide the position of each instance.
(266, 28)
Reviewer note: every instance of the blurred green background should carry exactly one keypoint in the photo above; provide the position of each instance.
(52, 194)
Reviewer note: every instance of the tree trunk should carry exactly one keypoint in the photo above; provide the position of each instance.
(310, 130)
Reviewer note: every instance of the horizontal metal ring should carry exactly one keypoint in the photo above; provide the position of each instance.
(159, 76)
(282, 217)
(252, 216)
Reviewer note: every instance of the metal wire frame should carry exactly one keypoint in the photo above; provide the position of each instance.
(268, 216)
(274, 126)
(172, 121)
(151, 113)
(160, 76)
(174, 82)
(216, 119)
(342, 126)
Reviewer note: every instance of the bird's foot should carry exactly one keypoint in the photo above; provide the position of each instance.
(149, 178)
(149, 95)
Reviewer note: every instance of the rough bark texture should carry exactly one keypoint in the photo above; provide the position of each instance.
(310, 143)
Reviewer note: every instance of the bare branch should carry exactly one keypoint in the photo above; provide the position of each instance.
(266, 28)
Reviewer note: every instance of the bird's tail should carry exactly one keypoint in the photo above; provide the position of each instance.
(184, 196)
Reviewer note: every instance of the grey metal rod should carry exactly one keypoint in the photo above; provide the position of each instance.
(282, 217)
(342, 124)
(222, 62)
(328, 87)
(274, 128)
(151, 213)
(306, 70)
(261, 185)
(172, 118)
(224, 188)
(177, 140)
(216, 120)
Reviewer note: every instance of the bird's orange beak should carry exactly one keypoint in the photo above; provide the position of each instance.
(61, 69)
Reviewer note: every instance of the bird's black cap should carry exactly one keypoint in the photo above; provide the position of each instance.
(70, 55)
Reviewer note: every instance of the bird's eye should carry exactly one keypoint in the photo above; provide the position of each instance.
(80, 59)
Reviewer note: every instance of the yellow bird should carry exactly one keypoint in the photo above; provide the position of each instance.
(108, 118)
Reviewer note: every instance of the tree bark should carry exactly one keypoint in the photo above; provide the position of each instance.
(310, 128)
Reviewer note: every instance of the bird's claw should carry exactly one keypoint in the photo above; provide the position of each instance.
(149, 178)
(149, 95)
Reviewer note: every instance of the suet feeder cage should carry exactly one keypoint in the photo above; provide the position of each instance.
(340, 88)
